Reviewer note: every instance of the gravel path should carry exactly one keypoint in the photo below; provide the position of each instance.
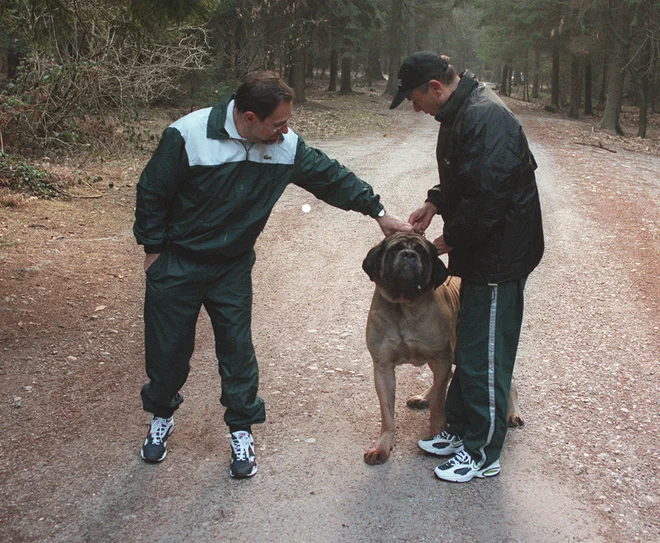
(582, 469)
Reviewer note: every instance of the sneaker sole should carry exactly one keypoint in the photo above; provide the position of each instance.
(447, 451)
(153, 460)
(231, 474)
(489, 472)
(453, 478)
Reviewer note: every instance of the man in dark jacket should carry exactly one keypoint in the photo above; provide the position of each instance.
(202, 201)
(488, 200)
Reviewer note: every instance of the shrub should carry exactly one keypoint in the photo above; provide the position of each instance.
(19, 176)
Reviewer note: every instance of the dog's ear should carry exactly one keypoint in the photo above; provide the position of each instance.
(372, 261)
(439, 272)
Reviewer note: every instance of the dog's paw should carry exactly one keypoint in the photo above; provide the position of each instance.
(418, 402)
(515, 421)
(375, 457)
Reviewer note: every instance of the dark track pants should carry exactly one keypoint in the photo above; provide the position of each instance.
(176, 288)
(487, 334)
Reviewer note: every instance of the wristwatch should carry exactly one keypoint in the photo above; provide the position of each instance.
(381, 213)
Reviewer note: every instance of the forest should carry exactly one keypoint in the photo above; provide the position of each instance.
(71, 69)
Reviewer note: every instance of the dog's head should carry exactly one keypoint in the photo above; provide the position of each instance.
(404, 266)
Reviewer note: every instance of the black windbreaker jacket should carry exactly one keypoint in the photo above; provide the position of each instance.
(487, 194)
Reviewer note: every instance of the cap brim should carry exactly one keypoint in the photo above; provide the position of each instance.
(399, 97)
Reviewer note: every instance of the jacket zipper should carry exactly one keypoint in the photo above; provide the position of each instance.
(247, 148)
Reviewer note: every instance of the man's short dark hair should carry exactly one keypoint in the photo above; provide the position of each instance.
(446, 78)
(261, 92)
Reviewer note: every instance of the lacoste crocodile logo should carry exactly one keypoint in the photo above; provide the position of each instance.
(268, 157)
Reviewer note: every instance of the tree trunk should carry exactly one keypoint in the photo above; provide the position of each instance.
(603, 83)
(334, 68)
(311, 54)
(374, 71)
(644, 89)
(525, 77)
(309, 70)
(588, 109)
(394, 36)
(504, 82)
(537, 70)
(517, 79)
(346, 74)
(575, 91)
(643, 108)
(610, 120)
(554, 83)
(297, 74)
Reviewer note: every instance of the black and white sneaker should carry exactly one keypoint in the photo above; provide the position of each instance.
(243, 460)
(461, 468)
(444, 444)
(155, 444)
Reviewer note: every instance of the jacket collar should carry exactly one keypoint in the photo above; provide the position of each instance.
(216, 128)
(466, 85)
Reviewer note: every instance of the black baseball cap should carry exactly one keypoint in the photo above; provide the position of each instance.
(417, 69)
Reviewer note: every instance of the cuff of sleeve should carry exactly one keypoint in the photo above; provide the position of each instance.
(151, 249)
(433, 199)
(378, 212)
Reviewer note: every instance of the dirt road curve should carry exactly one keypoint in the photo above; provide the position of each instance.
(584, 468)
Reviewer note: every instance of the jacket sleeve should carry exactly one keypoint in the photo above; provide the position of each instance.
(434, 196)
(487, 170)
(156, 190)
(331, 182)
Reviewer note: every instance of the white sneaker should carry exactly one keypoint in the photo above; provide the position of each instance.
(444, 444)
(243, 460)
(154, 448)
(461, 468)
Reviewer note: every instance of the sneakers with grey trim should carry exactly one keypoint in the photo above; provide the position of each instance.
(154, 448)
(243, 460)
(461, 468)
(444, 444)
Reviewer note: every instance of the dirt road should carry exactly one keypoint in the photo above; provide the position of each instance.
(584, 468)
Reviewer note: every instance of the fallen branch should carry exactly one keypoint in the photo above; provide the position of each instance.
(86, 197)
(599, 146)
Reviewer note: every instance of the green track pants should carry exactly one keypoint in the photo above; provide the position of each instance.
(487, 334)
(176, 288)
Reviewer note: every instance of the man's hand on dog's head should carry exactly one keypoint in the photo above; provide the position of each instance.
(390, 224)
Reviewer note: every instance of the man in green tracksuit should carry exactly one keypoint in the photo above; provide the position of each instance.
(489, 202)
(202, 201)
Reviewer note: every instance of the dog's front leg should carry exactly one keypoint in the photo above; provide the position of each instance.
(514, 418)
(438, 393)
(385, 382)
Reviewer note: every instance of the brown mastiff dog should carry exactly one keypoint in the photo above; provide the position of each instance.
(412, 320)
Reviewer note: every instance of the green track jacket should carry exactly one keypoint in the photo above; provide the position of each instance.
(209, 192)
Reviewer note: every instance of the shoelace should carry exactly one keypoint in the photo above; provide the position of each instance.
(241, 445)
(159, 429)
(445, 436)
(462, 457)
